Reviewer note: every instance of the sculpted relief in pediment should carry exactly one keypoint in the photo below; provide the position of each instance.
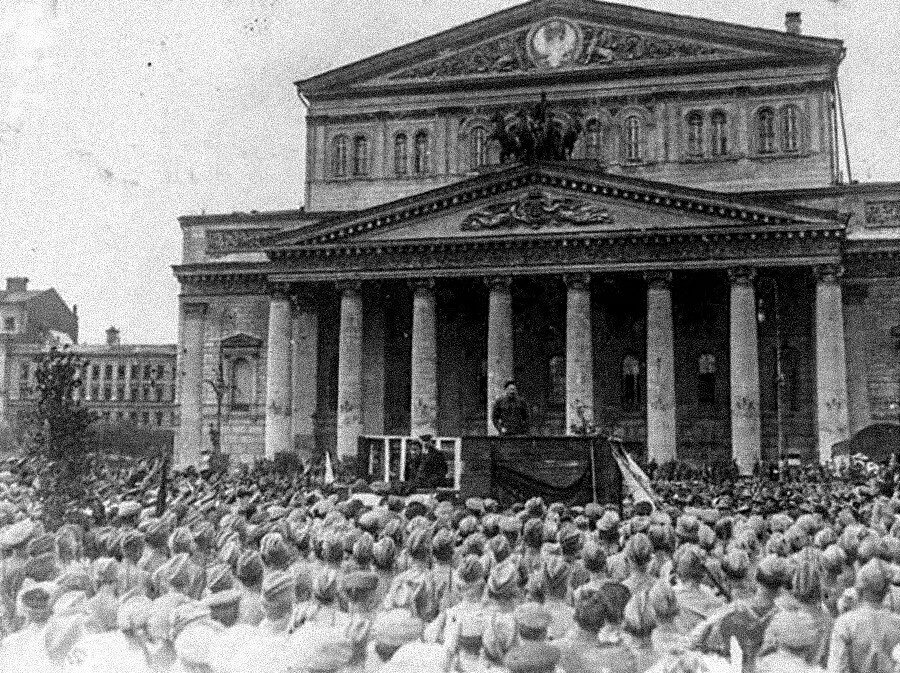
(559, 44)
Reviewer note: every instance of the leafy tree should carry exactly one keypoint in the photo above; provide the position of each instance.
(59, 435)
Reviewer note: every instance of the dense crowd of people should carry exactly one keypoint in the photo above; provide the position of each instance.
(261, 569)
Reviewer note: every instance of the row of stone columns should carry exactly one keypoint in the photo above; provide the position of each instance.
(292, 365)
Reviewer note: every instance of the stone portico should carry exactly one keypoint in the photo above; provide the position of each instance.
(694, 272)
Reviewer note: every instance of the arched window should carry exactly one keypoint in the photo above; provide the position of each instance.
(479, 147)
(593, 140)
(719, 136)
(790, 128)
(360, 156)
(765, 128)
(706, 380)
(633, 139)
(631, 382)
(422, 153)
(401, 152)
(695, 134)
(339, 156)
(241, 384)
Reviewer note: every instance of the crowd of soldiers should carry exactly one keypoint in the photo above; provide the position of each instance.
(258, 569)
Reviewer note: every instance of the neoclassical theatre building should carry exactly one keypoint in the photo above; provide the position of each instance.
(698, 271)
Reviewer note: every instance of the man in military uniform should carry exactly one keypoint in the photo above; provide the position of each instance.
(432, 468)
(510, 412)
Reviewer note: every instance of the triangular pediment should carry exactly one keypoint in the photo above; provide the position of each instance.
(549, 199)
(573, 37)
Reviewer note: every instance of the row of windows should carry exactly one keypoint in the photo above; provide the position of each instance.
(145, 393)
(9, 324)
(358, 164)
(147, 372)
(144, 418)
(707, 135)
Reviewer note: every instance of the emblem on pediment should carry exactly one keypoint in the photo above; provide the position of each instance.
(883, 214)
(554, 43)
(559, 44)
(536, 211)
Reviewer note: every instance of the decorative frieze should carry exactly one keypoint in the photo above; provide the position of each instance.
(226, 241)
(883, 214)
(535, 210)
(559, 44)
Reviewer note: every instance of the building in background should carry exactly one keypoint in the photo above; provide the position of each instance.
(698, 270)
(128, 385)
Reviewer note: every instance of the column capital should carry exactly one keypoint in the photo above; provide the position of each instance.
(280, 291)
(658, 279)
(577, 281)
(828, 273)
(741, 275)
(195, 309)
(421, 284)
(303, 297)
(348, 286)
(498, 282)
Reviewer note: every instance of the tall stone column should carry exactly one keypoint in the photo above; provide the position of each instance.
(349, 411)
(579, 352)
(193, 334)
(500, 341)
(304, 374)
(278, 376)
(373, 362)
(858, 319)
(660, 368)
(831, 365)
(746, 429)
(423, 402)
(4, 387)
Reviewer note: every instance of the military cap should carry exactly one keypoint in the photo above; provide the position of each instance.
(569, 539)
(332, 548)
(467, 526)
(532, 617)
(105, 571)
(274, 551)
(131, 538)
(177, 572)
(419, 543)
(129, 508)
(41, 568)
(278, 588)
(69, 602)
(532, 657)
(324, 586)
(383, 553)
(643, 508)
(219, 578)
(44, 543)
(534, 507)
(35, 597)
(396, 627)
(395, 503)
(686, 527)
(475, 506)
(491, 505)
(370, 521)
(533, 532)
(736, 564)
(329, 651)
(443, 544)
(470, 570)
(223, 599)
(874, 577)
(156, 531)
(510, 525)
(17, 533)
(181, 540)
(503, 580)
(689, 561)
(772, 571)
(609, 522)
(75, 577)
(360, 580)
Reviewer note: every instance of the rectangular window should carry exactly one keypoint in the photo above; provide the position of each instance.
(145, 418)
(134, 392)
(120, 391)
(95, 371)
(173, 419)
(161, 372)
(9, 324)
(109, 371)
(106, 416)
(121, 371)
(107, 392)
(159, 418)
(23, 371)
(148, 372)
(171, 393)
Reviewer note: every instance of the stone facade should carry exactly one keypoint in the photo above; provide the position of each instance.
(694, 273)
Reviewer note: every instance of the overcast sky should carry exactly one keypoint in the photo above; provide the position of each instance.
(116, 116)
